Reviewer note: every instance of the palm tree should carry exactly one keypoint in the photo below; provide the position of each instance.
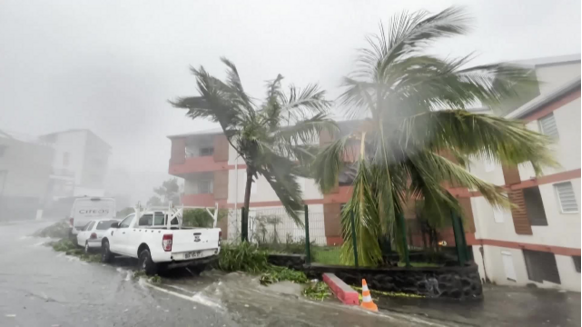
(412, 108)
(273, 137)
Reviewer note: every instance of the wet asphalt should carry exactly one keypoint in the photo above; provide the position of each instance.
(39, 287)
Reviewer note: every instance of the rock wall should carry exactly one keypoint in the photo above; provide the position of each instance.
(461, 283)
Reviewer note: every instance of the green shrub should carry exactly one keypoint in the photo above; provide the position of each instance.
(70, 248)
(317, 291)
(245, 257)
(57, 230)
(276, 274)
(201, 218)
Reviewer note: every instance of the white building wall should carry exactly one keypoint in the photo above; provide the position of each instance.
(563, 230)
(72, 143)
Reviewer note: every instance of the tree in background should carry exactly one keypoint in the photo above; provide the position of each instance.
(168, 192)
(415, 132)
(271, 136)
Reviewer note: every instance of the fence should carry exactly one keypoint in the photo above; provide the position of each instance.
(274, 230)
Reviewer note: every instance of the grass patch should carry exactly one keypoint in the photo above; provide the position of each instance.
(317, 291)
(392, 294)
(327, 255)
(245, 257)
(70, 248)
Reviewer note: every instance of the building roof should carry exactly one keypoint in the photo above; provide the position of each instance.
(543, 100)
(22, 137)
(212, 131)
(546, 61)
(46, 136)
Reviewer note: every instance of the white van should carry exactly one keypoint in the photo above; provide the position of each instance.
(86, 209)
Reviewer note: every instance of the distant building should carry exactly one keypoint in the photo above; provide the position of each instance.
(79, 164)
(25, 169)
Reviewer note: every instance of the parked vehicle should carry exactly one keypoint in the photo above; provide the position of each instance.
(90, 237)
(86, 209)
(157, 239)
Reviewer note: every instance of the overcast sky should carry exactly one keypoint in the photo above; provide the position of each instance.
(111, 66)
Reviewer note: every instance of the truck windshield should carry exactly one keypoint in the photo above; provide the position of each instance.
(104, 225)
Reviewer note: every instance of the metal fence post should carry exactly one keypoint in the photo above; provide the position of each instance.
(354, 238)
(404, 242)
(307, 243)
(458, 230)
(244, 225)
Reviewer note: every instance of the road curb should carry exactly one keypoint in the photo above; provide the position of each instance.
(341, 290)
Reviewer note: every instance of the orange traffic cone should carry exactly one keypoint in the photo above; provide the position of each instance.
(367, 302)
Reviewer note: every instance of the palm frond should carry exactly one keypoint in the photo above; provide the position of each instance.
(508, 141)
(301, 103)
(306, 131)
(328, 163)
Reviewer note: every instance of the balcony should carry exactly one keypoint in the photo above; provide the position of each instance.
(196, 165)
(201, 200)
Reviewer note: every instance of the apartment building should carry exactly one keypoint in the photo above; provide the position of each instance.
(79, 164)
(214, 174)
(25, 167)
(538, 241)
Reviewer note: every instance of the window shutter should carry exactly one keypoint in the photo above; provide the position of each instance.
(567, 197)
(548, 126)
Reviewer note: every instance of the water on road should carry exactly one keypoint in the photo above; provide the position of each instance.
(40, 287)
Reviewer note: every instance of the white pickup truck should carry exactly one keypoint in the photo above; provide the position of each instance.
(157, 239)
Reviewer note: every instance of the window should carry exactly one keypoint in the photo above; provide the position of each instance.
(534, 206)
(104, 225)
(146, 220)
(65, 159)
(489, 164)
(541, 266)
(205, 186)
(89, 226)
(206, 151)
(576, 262)
(566, 197)
(159, 219)
(507, 260)
(125, 222)
(498, 214)
(548, 126)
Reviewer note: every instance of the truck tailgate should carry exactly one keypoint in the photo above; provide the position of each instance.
(187, 240)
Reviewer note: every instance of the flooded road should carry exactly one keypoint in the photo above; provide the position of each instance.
(40, 287)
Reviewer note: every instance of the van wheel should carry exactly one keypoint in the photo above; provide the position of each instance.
(106, 255)
(146, 263)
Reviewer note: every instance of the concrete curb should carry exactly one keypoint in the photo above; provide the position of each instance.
(342, 291)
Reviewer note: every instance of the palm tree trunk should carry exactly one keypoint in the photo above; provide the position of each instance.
(247, 201)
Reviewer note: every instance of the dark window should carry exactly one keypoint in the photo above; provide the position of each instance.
(205, 186)
(534, 206)
(576, 262)
(347, 175)
(104, 225)
(146, 220)
(159, 219)
(541, 266)
(206, 151)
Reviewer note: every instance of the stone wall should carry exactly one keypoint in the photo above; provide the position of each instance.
(293, 261)
(461, 283)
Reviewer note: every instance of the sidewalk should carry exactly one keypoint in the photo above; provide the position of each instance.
(503, 306)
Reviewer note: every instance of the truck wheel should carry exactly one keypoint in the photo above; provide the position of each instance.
(146, 263)
(106, 255)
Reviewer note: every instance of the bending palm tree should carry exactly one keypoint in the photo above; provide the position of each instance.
(270, 137)
(403, 98)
